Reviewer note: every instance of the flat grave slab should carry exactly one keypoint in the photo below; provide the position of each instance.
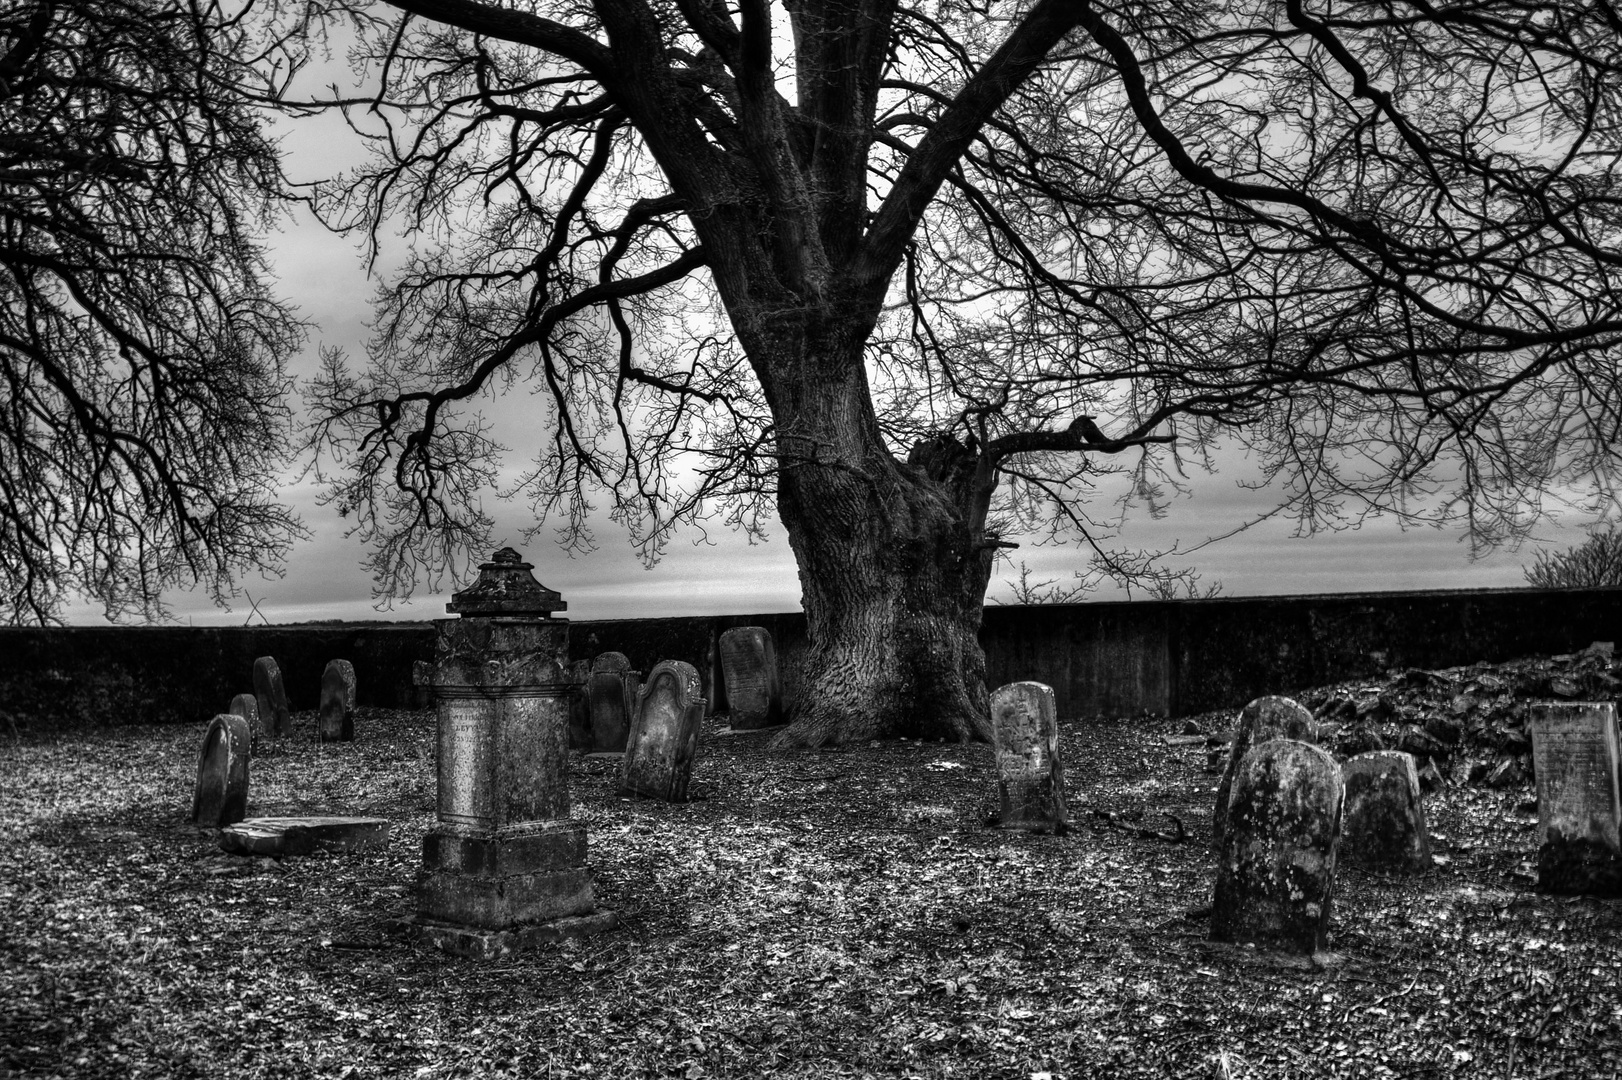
(303, 835)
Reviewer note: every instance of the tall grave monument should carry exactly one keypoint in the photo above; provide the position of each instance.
(504, 867)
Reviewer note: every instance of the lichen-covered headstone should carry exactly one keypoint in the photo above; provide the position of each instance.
(753, 687)
(1265, 718)
(611, 694)
(1030, 774)
(221, 796)
(580, 705)
(247, 707)
(272, 696)
(1383, 825)
(336, 718)
(1276, 873)
(663, 739)
(1575, 757)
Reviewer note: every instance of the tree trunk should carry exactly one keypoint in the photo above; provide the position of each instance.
(893, 573)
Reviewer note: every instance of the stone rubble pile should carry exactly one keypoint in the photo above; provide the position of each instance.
(1465, 724)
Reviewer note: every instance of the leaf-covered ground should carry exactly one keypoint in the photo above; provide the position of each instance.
(834, 913)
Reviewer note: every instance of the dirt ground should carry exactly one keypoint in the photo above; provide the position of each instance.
(840, 913)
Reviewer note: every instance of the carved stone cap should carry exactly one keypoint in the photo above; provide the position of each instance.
(506, 587)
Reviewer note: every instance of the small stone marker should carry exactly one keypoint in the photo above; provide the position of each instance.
(1574, 761)
(303, 835)
(1030, 775)
(337, 714)
(247, 707)
(1383, 825)
(611, 692)
(1265, 718)
(267, 687)
(749, 668)
(1277, 870)
(221, 797)
(663, 739)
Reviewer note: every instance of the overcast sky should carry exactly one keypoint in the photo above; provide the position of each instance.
(324, 275)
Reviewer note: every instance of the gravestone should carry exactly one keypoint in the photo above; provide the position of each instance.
(221, 797)
(580, 705)
(504, 866)
(1030, 774)
(336, 721)
(663, 739)
(1383, 825)
(1575, 757)
(247, 707)
(279, 836)
(1276, 873)
(754, 691)
(272, 697)
(1265, 718)
(611, 695)
(422, 684)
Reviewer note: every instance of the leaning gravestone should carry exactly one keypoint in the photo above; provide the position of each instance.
(1574, 757)
(1277, 868)
(611, 693)
(1383, 825)
(1265, 718)
(749, 667)
(221, 797)
(337, 713)
(247, 707)
(267, 687)
(1030, 775)
(663, 739)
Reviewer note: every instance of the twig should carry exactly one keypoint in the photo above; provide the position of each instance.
(1398, 994)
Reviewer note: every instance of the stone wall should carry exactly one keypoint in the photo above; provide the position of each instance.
(1118, 659)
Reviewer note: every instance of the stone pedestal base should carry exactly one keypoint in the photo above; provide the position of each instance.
(488, 944)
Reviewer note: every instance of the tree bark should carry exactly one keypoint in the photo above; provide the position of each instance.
(893, 570)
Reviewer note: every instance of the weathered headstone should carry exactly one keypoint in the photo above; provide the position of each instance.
(247, 707)
(422, 684)
(504, 867)
(1030, 774)
(1276, 874)
(336, 721)
(1575, 758)
(279, 836)
(580, 705)
(1383, 825)
(221, 797)
(611, 695)
(663, 739)
(1265, 718)
(754, 690)
(272, 696)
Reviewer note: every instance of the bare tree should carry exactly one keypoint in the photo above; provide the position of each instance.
(920, 275)
(145, 409)
(1594, 563)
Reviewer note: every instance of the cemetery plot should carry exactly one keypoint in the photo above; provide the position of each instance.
(845, 912)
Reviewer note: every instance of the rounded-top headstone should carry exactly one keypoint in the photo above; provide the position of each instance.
(611, 698)
(1276, 874)
(336, 716)
(1383, 825)
(663, 739)
(610, 661)
(754, 689)
(221, 796)
(247, 707)
(1270, 717)
(1030, 774)
(272, 697)
(507, 587)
